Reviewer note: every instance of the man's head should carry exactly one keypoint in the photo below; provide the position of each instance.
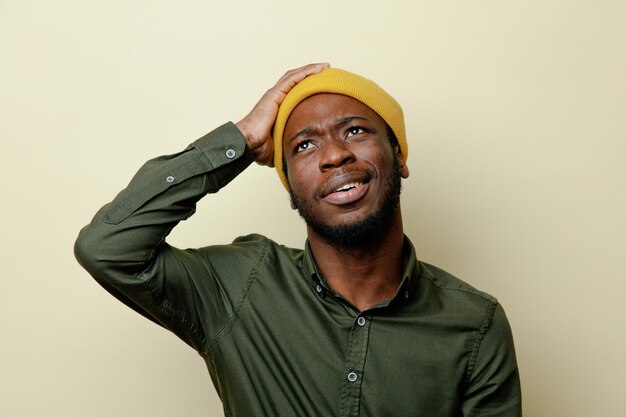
(342, 163)
(337, 81)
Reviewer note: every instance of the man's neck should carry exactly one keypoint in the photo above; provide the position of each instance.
(363, 274)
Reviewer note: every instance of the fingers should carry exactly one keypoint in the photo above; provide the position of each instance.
(298, 74)
(294, 76)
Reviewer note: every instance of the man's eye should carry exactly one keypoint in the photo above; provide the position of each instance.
(303, 146)
(355, 130)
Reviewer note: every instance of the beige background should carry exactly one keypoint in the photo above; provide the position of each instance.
(516, 118)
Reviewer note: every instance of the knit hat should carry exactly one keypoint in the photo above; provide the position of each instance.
(333, 80)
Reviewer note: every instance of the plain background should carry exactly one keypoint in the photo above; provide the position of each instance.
(516, 117)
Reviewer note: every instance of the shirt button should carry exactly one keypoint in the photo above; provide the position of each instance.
(318, 289)
(361, 321)
(230, 153)
(352, 377)
(170, 179)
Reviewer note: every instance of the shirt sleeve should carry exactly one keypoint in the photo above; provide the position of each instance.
(124, 246)
(493, 387)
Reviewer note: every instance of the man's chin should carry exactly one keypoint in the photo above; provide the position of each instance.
(352, 232)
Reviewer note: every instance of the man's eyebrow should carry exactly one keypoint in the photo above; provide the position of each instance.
(304, 132)
(346, 120)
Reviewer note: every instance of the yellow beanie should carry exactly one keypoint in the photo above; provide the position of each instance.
(333, 80)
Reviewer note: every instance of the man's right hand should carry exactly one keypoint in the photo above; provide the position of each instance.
(256, 127)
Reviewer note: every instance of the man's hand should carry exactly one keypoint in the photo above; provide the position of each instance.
(257, 125)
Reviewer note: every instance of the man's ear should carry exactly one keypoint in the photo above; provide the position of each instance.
(404, 169)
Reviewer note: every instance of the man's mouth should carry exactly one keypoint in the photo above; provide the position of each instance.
(347, 187)
(347, 192)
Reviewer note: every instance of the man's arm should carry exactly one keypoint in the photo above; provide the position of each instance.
(493, 388)
(124, 246)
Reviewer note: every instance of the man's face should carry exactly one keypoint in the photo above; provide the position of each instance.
(343, 173)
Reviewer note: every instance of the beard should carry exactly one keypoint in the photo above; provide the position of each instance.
(361, 231)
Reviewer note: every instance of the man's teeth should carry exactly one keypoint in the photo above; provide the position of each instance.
(349, 186)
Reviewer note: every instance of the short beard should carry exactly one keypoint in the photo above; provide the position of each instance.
(361, 232)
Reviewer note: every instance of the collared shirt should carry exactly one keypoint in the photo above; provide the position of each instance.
(277, 341)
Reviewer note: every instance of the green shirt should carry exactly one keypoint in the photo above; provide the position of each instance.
(277, 341)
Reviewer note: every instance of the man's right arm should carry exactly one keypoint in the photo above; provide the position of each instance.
(124, 246)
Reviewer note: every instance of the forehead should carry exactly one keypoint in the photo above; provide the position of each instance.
(326, 109)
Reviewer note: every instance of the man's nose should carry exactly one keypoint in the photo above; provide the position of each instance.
(335, 153)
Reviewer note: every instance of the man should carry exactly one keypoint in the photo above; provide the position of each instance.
(353, 325)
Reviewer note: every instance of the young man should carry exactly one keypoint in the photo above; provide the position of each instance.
(354, 324)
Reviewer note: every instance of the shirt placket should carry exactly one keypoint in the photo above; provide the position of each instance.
(354, 377)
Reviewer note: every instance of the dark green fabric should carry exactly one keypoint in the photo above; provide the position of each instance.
(276, 340)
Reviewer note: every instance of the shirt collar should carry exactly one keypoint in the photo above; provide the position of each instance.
(403, 293)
